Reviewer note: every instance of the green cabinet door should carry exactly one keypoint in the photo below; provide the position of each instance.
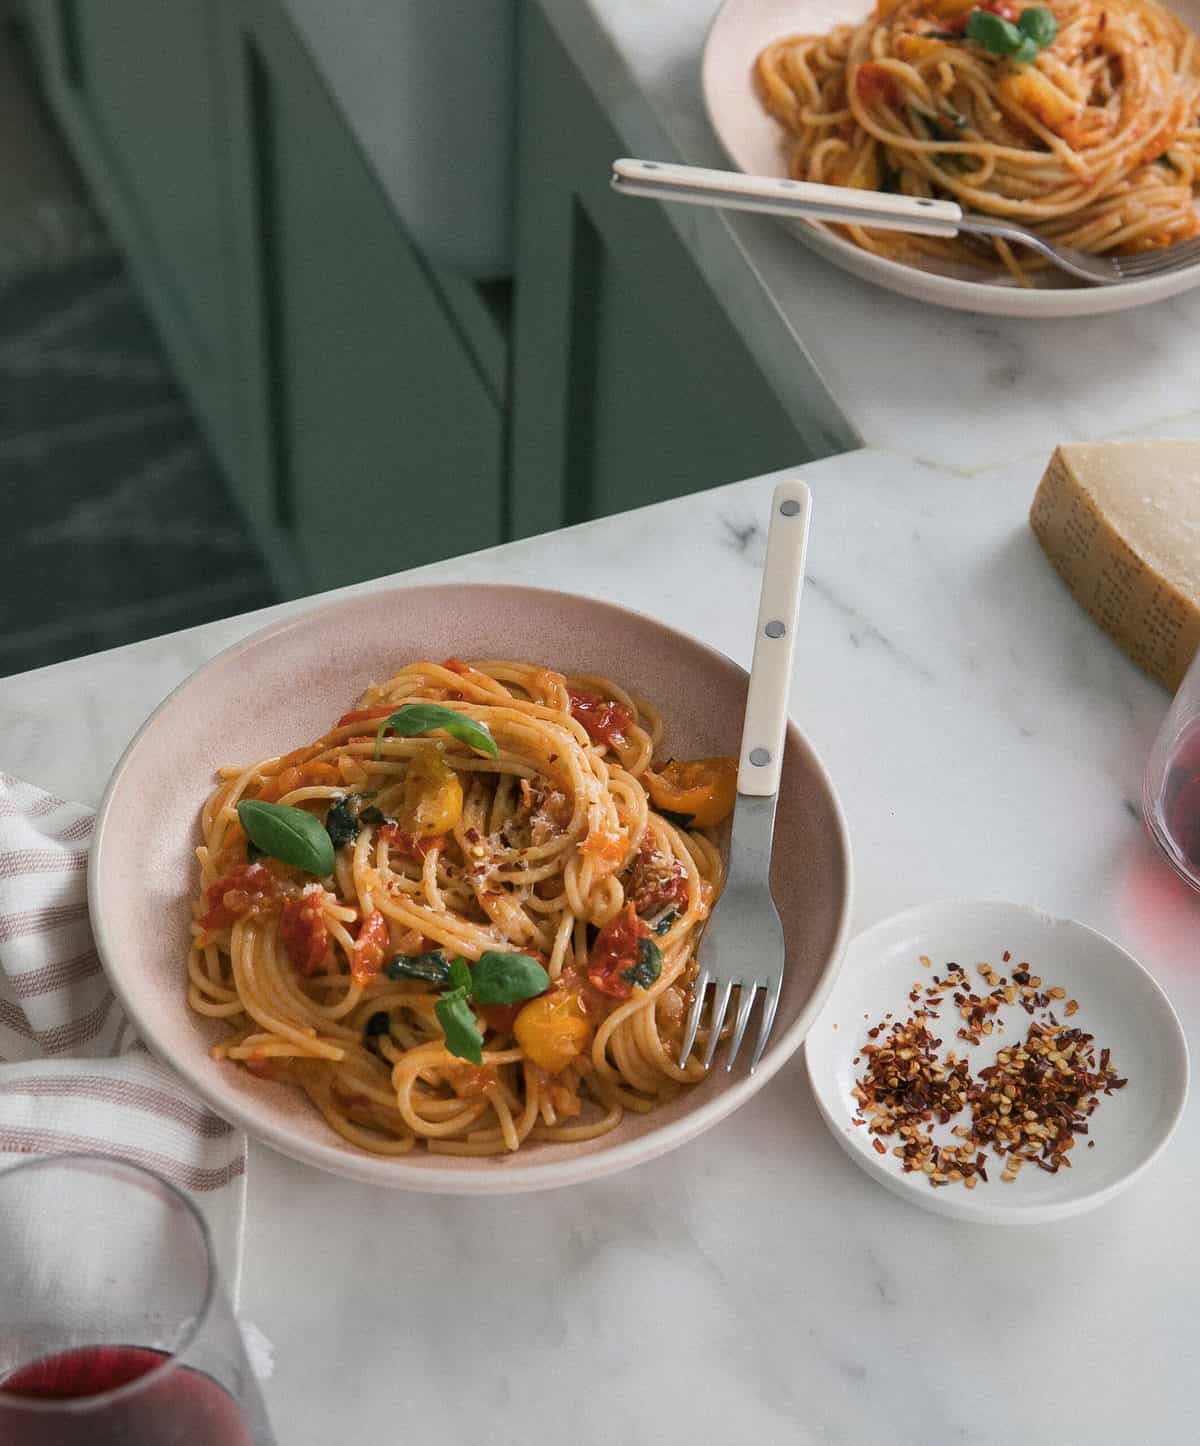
(378, 429)
(134, 84)
(631, 384)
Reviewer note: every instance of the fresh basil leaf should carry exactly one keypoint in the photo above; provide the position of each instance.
(288, 834)
(999, 36)
(377, 1024)
(648, 966)
(680, 820)
(426, 717)
(663, 926)
(429, 968)
(457, 1019)
(460, 975)
(507, 978)
(1026, 52)
(1039, 25)
(341, 824)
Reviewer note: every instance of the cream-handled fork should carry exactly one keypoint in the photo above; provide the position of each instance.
(743, 946)
(882, 211)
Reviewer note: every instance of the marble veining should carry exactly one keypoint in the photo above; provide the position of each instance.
(986, 740)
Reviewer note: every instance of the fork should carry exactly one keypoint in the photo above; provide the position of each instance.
(743, 945)
(884, 211)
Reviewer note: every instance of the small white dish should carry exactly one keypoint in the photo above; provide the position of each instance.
(1120, 1004)
(754, 142)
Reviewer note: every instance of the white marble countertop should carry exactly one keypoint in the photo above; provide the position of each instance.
(987, 740)
(966, 391)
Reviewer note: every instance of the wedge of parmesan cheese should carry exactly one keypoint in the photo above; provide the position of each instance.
(1120, 521)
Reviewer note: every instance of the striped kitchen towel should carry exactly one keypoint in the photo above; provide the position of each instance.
(73, 1075)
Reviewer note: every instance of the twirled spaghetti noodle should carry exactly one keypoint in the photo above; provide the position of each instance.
(1095, 144)
(553, 848)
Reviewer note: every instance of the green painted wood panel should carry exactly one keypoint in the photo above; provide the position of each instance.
(380, 432)
(134, 85)
(630, 382)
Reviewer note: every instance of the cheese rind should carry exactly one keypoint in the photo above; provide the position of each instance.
(1120, 522)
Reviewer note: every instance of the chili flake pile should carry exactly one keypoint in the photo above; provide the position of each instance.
(1028, 1107)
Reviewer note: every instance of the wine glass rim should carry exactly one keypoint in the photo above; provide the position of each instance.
(79, 1405)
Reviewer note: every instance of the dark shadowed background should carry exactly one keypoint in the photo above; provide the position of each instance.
(117, 524)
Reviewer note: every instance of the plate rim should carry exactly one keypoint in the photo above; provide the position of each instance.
(393, 1172)
(957, 294)
(963, 1206)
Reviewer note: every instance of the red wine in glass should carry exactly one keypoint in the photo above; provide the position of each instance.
(182, 1408)
(1178, 807)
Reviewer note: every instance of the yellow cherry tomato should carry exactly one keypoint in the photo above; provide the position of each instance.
(703, 788)
(553, 1029)
(433, 796)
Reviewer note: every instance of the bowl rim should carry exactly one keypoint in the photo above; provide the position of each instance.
(926, 918)
(393, 1171)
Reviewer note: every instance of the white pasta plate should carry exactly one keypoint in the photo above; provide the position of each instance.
(1116, 1000)
(753, 141)
(280, 688)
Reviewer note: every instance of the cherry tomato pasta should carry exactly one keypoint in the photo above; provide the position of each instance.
(505, 945)
(1078, 118)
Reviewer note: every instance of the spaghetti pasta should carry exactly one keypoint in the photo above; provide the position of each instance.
(1094, 143)
(549, 859)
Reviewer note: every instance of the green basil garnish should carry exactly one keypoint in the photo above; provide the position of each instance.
(507, 978)
(648, 966)
(994, 33)
(460, 975)
(429, 968)
(457, 1019)
(1035, 29)
(680, 820)
(417, 718)
(1039, 25)
(663, 926)
(377, 1024)
(340, 824)
(288, 834)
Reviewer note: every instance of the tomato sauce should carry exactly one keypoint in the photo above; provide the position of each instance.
(247, 889)
(370, 948)
(616, 949)
(604, 719)
(304, 933)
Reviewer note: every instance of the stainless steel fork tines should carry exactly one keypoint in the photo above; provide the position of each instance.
(742, 947)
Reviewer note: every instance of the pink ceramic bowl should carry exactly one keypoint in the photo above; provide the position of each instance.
(279, 689)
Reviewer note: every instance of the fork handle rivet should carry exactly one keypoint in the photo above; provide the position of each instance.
(775, 629)
(759, 757)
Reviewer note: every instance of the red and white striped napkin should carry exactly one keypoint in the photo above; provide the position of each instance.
(73, 1075)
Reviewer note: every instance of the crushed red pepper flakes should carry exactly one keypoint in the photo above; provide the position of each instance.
(1028, 1106)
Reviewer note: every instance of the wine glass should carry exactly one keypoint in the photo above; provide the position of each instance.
(1171, 787)
(114, 1329)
